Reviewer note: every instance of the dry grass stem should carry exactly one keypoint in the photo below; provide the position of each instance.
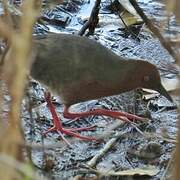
(15, 70)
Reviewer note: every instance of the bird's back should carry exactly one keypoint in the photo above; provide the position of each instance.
(78, 68)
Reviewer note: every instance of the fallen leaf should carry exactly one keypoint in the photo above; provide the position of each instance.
(171, 84)
(150, 94)
(149, 91)
(127, 5)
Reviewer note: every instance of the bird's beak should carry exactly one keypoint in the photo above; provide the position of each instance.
(163, 92)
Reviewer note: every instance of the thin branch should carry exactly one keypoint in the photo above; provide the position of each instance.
(102, 152)
(154, 29)
(93, 20)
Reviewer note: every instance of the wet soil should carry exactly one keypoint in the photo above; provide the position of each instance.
(141, 144)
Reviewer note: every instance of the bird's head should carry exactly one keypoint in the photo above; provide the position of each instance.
(150, 79)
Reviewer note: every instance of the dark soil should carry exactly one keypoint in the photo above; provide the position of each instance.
(141, 144)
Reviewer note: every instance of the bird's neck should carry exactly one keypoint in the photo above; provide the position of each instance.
(127, 75)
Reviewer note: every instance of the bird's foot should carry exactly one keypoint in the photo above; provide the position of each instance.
(58, 125)
(71, 132)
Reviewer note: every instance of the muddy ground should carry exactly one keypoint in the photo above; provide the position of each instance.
(147, 144)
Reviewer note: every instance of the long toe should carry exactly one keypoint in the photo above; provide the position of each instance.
(129, 116)
(76, 135)
(52, 129)
(71, 132)
(83, 128)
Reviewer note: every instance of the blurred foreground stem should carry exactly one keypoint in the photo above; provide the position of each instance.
(19, 58)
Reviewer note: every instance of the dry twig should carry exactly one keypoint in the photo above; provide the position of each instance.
(15, 66)
(93, 20)
(154, 29)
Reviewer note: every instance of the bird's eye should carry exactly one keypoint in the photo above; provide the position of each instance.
(146, 78)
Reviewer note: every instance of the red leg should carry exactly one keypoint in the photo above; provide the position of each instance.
(57, 125)
(114, 114)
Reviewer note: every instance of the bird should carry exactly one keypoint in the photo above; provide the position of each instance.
(79, 69)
